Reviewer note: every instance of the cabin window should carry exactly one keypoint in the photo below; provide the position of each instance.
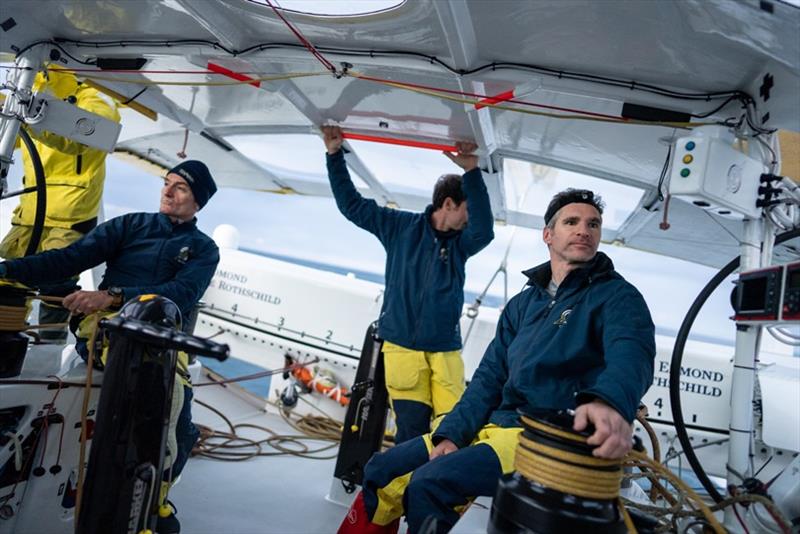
(328, 8)
(530, 186)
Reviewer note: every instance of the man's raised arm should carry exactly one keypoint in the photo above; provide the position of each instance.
(480, 230)
(364, 213)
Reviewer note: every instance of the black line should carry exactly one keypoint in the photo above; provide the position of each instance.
(217, 141)
(693, 427)
(293, 340)
(134, 97)
(539, 69)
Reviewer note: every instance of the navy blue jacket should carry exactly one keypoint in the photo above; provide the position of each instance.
(144, 253)
(424, 272)
(595, 339)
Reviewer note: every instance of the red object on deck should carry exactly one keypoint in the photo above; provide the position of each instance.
(357, 521)
(337, 393)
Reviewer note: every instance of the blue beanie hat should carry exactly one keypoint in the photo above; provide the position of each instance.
(199, 179)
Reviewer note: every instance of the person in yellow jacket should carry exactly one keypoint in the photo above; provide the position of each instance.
(75, 175)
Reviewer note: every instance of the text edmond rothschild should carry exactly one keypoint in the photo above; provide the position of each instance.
(223, 281)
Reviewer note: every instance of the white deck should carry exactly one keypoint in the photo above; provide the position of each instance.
(279, 494)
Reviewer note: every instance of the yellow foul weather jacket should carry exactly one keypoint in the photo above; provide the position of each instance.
(75, 172)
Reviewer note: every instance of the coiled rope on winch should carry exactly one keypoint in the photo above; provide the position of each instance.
(569, 472)
(15, 305)
(12, 318)
(561, 460)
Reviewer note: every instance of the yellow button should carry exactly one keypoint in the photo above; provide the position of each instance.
(688, 158)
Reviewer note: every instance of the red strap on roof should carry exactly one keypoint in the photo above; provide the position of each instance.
(218, 69)
(501, 97)
(401, 142)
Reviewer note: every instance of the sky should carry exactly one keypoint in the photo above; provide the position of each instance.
(311, 228)
(351, 7)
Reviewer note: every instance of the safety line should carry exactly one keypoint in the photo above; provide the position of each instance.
(582, 116)
(327, 64)
(143, 71)
(487, 100)
(556, 73)
(484, 102)
(441, 93)
(248, 81)
(475, 99)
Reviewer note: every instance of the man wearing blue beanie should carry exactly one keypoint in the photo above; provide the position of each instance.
(196, 175)
(160, 253)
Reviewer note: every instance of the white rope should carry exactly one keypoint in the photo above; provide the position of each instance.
(778, 334)
(17, 450)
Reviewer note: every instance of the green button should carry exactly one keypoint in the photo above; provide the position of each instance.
(685, 172)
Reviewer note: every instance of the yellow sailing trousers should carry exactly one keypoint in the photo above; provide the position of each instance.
(503, 442)
(433, 378)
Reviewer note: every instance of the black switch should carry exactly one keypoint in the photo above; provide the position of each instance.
(8, 24)
(766, 85)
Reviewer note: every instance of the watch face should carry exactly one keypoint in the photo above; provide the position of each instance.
(115, 291)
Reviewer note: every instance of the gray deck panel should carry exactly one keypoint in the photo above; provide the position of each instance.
(265, 495)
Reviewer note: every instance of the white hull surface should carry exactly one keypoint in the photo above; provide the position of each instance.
(44, 501)
(268, 310)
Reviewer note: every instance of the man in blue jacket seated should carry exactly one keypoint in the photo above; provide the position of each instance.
(162, 253)
(425, 257)
(578, 337)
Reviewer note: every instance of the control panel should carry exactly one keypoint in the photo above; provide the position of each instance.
(68, 120)
(768, 295)
(790, 310)
(710, 172)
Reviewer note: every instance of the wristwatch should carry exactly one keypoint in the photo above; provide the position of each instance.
(118, 296)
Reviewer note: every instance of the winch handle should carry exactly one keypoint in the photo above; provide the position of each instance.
(164, 337)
